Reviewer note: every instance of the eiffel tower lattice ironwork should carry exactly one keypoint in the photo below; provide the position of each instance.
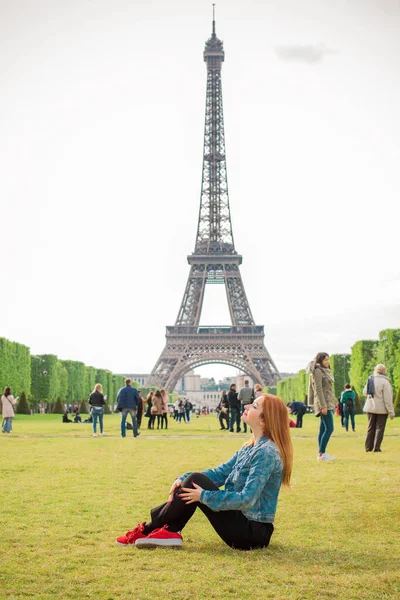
(214, 261)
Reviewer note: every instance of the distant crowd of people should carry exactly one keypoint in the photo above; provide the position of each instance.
(232, 405)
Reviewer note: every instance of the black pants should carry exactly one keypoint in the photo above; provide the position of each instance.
(164, 419)
(234, 418)
(299, 420)
(231, 525)
(375, 431)
(223, 417)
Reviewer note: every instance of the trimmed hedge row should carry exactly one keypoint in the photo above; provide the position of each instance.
(353, 368)
(45, 378)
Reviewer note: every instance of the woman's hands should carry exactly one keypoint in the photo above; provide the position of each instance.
(177, 484)
(324, 411)
(190, 495)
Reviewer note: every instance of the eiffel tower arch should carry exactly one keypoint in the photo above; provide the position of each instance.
(214, 261)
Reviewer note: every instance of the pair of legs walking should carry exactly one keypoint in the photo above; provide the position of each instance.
(375, 432)
(234, 418)
(124, 413)
(7, 424)
(349, 413)
(223, 420)
(231, 525)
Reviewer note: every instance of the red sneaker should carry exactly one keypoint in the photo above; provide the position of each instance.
(131, 536)
(160, 537)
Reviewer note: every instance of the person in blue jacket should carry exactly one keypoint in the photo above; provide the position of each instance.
(128, 400)
(243, 513)
(299, 409)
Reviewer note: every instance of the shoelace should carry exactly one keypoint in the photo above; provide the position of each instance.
(131, 534)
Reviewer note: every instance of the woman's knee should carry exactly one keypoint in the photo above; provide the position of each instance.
(200, 479)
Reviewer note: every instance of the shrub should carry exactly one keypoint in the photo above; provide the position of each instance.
(83, 408)
(107, 410)
(59, 407)
(397, 404)
(23, 406)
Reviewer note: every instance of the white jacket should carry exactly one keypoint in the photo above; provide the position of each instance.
(8, 406)
(382, 401)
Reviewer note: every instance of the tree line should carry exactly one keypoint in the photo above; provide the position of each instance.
(353, 368)
(44, 378)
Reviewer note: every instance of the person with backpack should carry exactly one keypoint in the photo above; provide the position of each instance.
(378, 406)
(348, 403)
(8, 403)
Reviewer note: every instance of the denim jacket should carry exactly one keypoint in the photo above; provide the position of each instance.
(252, 480)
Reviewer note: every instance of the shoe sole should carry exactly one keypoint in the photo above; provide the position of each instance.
(145, 543)
(121, 544)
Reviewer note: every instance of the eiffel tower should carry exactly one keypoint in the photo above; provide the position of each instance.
(214, 261)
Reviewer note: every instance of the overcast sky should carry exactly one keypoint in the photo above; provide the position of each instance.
(101, 120)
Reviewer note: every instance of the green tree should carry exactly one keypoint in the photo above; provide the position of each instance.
(397, 403)
(58, 407)
(107, 410)
(340, 367)
(23, 406)
(83, 407)
(362, 363)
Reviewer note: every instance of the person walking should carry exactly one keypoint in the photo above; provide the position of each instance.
(234, 409)
(164, 416)
(378, 406)
(246, 396)
(127, 402)
(97, 402)
(299, 409)
(140, 410)
(176, 409)
(243, 513)
(8, 402)
(348, 404)
(149, 399)
(157, 408)
(224, 411)
(181, 411)
(321, 396)
(188, 409)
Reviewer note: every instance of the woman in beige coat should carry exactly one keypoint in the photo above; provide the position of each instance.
(157, 408)
(8, 402)
(322, 398)
(378, 406)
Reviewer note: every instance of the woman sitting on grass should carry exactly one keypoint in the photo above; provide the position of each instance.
(243, 513)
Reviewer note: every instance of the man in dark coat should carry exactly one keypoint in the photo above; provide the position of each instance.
(128, 401)
(299, 409)
(234, 409)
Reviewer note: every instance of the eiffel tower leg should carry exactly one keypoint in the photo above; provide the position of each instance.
(192, 302)
(237, 300)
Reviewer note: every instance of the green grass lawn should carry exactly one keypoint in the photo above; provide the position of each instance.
(65, 496)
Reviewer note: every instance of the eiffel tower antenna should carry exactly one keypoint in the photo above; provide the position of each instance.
(214, 261)
(213, 29)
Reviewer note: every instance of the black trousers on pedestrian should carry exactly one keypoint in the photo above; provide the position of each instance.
(223, 417)
(234, 418)
(375, 432)
(299, 420)
(231, 525)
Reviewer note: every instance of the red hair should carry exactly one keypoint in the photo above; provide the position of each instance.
(276, 428)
